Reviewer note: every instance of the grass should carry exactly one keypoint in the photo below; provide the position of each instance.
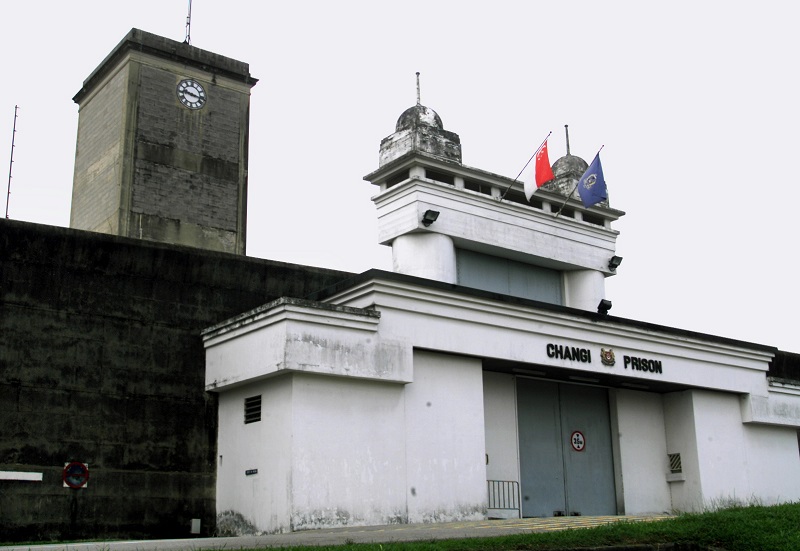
(752, 528)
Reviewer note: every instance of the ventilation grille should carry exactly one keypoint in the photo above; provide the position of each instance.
(252, 409)
(675, 463)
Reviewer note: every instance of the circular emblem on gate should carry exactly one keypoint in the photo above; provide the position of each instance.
(75, 475)
(578, 441)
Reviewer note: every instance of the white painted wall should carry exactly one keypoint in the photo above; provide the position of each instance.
(721, 447)
(334, 451)
(446, 478)
(642, 452)
(773, 463)
(365, 424)
(679, 425)
(779, 406)
(482, 327)
(500, 416)
(507, 230)
(502, 438)
(263, 499)
(349, 458)
(724, 460)
(295, 335)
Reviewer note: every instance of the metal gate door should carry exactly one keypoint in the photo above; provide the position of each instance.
(566, 464)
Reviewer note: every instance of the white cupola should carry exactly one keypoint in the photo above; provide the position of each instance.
(457, 224)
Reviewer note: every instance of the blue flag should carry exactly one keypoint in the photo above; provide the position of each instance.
(592, 185)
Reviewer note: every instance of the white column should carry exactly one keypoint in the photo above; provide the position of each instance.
(416, 172)
(584, 289)
(428, 255)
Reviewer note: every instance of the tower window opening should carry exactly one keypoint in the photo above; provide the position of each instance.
(592, 219)
(397, 178)
(479, 187)
(518, 197)
(567, 213)
(439, 177)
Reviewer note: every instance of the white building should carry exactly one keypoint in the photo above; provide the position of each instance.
(479, 379)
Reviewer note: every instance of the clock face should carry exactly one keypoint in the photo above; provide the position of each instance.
(191, 94)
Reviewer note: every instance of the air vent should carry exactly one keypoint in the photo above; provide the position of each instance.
(675, 463)
(252, 409)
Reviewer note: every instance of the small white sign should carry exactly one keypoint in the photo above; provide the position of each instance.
(17, 475)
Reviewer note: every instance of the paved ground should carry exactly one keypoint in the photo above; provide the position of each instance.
(339, 536)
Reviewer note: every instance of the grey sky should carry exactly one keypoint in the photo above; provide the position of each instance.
(695, 102)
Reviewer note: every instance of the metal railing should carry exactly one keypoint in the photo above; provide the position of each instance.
(504, 494)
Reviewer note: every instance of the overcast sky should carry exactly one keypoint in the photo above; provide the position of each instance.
(696, 103)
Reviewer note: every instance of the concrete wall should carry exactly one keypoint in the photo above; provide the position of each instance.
(445, 444)
(502, 437)
(101, 361)
(721, 447)
(479, 222)
(500, 415)
(724, 460)
(263, 498)
(348, 454)
(773, 466)
(298, 335)
(190, 184)
(100, 150)
(743, 463)
(335, 450)
(679, 426)
(147, 167)
(639, 420)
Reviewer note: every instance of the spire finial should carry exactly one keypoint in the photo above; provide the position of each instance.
(188, 39)
(566, 129)
(418, 101)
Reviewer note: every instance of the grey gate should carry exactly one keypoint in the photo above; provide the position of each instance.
(566, 463)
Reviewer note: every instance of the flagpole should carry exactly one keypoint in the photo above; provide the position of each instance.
(576, 186)
(526, 165)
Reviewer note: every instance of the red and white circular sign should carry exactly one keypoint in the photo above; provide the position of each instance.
(75, 475)
(578, 441)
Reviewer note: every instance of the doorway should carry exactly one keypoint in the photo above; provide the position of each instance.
(566, 459)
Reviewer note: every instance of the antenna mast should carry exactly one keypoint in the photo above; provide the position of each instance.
(188, 39)
(11, 162)
(418, 102)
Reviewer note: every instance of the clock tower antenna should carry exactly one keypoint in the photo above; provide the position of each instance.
(188, 39)
(11, 162)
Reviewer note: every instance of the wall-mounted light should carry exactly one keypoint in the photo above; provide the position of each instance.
(429, 217)
(604, 307)
(614, 262)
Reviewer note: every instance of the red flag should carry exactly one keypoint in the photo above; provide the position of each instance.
(543, 171)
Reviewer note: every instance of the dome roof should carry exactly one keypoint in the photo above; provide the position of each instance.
(419, 115)
(568, 170)
(569, 166)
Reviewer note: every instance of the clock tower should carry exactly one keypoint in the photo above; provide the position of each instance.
(162, 145)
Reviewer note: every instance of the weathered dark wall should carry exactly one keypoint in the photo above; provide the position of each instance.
(101, 361)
